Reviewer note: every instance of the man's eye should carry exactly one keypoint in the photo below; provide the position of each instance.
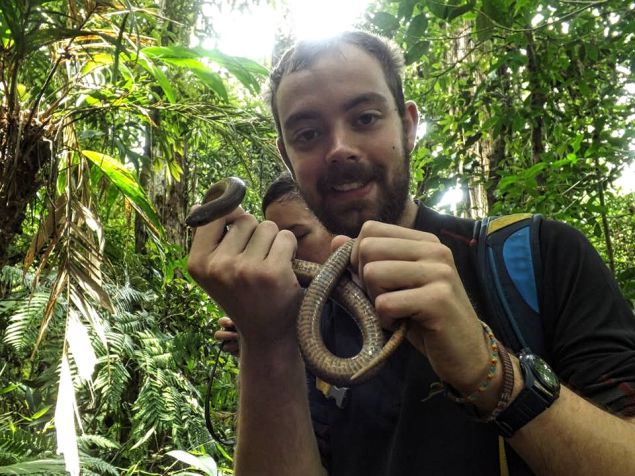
(367, 119)
(301, 235)
(307, 135)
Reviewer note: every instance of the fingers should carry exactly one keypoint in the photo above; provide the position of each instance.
(338, 241)
(391, 275)
(207, 239)
(261, 241)
(283, 248)
(398, 245)
(228, 336)
(229, 341)
(226, 323)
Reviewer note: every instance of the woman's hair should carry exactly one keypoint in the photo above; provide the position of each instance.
(282, 188)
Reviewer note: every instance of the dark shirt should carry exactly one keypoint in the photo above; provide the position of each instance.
(389, 427)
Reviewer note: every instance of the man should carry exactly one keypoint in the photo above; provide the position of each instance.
(345, 132)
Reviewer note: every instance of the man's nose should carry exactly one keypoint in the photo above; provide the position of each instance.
(343, 145)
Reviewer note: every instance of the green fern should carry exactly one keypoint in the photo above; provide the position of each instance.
(97, 466)
(25, 320)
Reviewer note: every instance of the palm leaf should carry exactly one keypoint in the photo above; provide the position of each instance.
(47, 466)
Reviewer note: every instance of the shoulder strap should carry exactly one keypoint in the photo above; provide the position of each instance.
(509, 271)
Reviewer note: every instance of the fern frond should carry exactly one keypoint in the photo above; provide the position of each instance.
(127, 298)
(111, 382)
(10, 277)
(25, 320)
(21, 443)
(86, 440)
(96, 466)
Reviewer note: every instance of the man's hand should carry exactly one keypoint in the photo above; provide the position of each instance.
(247, 271)
(409, 274)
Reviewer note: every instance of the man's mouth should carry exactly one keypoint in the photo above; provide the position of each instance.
(347, 187)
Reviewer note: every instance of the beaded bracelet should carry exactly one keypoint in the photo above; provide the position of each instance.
(455, 396)
(508, 385)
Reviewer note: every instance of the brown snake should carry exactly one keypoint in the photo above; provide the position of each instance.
(226, 195)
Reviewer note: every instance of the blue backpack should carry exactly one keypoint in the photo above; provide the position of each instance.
(510, 271)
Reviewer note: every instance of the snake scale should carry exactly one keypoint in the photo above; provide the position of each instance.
(322, 281)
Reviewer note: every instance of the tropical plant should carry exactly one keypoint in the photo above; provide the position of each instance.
(112, 124)
(96, 98)
(527, 104)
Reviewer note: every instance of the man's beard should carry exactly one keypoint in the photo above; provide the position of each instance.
(348, 220)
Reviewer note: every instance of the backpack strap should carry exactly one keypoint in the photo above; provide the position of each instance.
(510, 268)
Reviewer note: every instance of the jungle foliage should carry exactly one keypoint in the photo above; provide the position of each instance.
(111, 126)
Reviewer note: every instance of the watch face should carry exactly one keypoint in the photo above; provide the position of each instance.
(545, 375)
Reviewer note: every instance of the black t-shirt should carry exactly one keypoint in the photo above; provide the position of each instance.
(388, 427)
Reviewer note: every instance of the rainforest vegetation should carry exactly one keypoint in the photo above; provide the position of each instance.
(114, 121)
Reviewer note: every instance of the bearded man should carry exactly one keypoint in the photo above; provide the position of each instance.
(345, 133)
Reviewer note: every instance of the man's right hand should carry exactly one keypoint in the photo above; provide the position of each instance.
(248, 272)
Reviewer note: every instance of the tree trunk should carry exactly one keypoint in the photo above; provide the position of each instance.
(24, 154)
(170, 196)
(537, 101)
(499, 149)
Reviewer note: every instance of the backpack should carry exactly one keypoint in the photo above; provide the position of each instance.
(509, 272)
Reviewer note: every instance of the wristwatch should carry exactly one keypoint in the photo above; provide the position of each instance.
(540, 390)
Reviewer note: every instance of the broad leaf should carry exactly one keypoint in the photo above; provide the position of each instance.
(127, 184)
(204, 463)
(386, 22)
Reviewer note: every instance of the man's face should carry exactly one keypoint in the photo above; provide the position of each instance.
(345, 141)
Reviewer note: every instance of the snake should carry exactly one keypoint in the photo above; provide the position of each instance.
(321, 282)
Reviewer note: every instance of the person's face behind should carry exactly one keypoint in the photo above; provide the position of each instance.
(314, 241)
(345, 141)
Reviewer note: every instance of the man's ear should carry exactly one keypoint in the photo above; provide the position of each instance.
(410, 124)
(283, 154)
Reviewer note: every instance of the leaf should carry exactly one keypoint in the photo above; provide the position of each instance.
(127, 184)
(8, 389)
(36, 466)
(450, 9)
(498, 11)
(52, 226)
(203, 72)
(204, 463)
(243, 69)
(417, 51)
(160, 76)
(455, 12)
(386, 22)
(145, 438)
(405, 8)
(40, 413)
(24, 319)
(80, 346)
(89, 286)
(417, 28)
(90, 314)
(56, 292)
(65, 410)
(484, 27)
(99, 441)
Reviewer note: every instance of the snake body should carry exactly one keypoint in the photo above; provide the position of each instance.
(223, 197)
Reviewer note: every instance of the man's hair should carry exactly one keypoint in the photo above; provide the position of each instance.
(282, 188)
(304, 53)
